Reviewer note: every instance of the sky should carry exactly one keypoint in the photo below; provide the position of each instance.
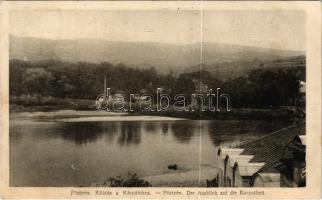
(269, 29)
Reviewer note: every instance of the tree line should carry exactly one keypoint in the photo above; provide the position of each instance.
(262, 88)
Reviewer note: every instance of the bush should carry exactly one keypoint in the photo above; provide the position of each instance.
(49, 100)
(131, 180)
(34, 100)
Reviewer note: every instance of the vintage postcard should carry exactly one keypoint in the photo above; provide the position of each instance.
(160, 99)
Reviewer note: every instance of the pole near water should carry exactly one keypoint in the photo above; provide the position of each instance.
(217, 73)
(105, 92)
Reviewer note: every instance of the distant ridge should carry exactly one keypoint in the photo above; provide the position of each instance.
(164, 57)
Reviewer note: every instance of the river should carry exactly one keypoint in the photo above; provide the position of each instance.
(79, 153)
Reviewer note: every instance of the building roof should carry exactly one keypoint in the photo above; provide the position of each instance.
(270, 148)
(242, 160)
(223, 152)
(262, 158)
(268, 179)
(303, 139)
(302, 87)
(249, 169)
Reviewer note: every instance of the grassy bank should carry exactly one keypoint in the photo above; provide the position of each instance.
(28, 103)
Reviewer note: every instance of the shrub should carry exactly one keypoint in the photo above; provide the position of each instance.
(34, 100)
(131, 180)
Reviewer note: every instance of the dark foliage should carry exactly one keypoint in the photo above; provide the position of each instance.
(259, 89)
(131, 180)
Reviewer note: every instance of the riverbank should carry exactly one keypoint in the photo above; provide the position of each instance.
(86, 116)
(51, 104)
(192, 178)
(240, 114)
(189, 178)
(67, 111)
(38, 103)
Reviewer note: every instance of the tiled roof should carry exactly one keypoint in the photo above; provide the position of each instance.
(270, 148)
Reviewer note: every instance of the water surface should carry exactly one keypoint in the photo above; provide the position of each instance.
(47, 153)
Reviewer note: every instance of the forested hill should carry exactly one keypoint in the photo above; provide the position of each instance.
(234, 69)
(143, 55)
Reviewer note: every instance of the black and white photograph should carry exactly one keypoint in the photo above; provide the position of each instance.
(157, 98)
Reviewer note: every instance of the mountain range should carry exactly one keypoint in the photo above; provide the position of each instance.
(164, 57)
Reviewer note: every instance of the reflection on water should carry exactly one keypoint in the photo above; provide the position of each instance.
(81, 153)
(165, 128)
(183, 132)
(127, 133)
(81, 135)
(130, 133)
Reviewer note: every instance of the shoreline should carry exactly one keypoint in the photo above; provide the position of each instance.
(191, 178)
(53, 111)
(87, 116)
